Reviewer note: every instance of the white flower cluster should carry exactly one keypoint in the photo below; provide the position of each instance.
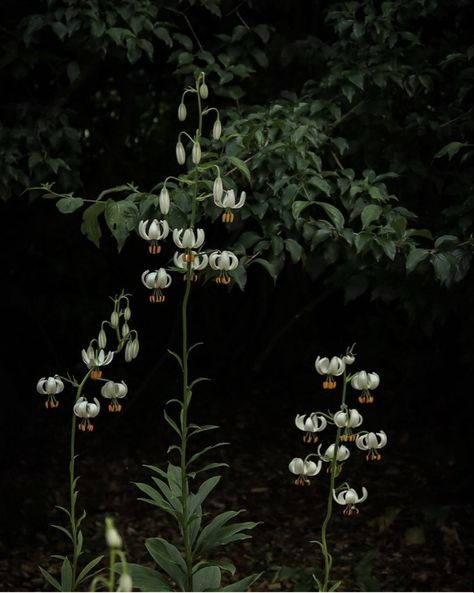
(346, 420)
(191, 260)
(94, 358)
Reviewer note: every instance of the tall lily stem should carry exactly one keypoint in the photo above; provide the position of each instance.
(76, 544)
(324, 547)
(186, 388)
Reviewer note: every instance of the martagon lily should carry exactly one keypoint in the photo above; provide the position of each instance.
(331, 368)
(114, 391)
(310, 424)
(154, 231)
(363, 381)
(188, 239)
(50, 386)
(347, 419)
(224, 262)
(304, 470)
(348, 497)
(227, 201)
(86, 410)
(93, 359)
(156, 281)
(371, 442)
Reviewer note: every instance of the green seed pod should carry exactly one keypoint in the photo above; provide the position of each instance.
(217, 129)
(196, 154)
(182, 112)
(204, 91)
(180, 153)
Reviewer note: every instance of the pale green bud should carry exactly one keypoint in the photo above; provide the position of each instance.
(102, 339)
(182, 112)
(135, 347)
(125, 582)
(217, 129)
(112, 536)
(180, 153)
(204, 91)
(128, 352)
(218, 189)
(127, 313)
(196, 154)
(164, 201)
(114, 319)
(125, 330)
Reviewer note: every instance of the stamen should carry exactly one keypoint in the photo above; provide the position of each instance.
(96, 374)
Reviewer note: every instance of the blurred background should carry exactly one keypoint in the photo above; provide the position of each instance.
(89, 99)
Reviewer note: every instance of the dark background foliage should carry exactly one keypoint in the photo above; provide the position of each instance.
(361, 106)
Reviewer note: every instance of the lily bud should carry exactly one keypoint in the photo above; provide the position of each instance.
(127, 313)
(135, 347)
(114, 319)
(125, 330)
(102, 339)
(218, 189)
(125, 582)
(128, 352)
(164, 201)
(180, 153)
(112, 536)
(204, 91)
(217, 129)
(196, 153)
(182, 112)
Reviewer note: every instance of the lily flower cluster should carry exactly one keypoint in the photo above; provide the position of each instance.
(190, 258)
(347, 421)
(95, 357)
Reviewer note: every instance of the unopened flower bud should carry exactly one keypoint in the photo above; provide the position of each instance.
(114, 319)
(180, 153)
(135, 347)
(128, 352)
(127, 313)
(164, 201)
(217, 129)
(196, 154)
(102, 339)
(204, 91)
(218, 189)
(182, 112)
(125, 330)
(112, 536)
(125, 582)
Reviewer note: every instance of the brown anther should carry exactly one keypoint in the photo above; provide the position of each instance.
(90, 427)
(96, 374)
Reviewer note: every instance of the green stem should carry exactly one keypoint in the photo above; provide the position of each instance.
(72, 486)
(324, 527)
(186, 391)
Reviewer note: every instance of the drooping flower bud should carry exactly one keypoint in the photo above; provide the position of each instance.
(114, 319)
(196, 153)
(164, 201)
(204, 91)
(180, 153)
(218, 189)
(128, 352)
(127, 313)
(125, 583)
(102, 339)
(125, 330)
(182, 112)
(217, 129)
(112, 536)
(135, 347)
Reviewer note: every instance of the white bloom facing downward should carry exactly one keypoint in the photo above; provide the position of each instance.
(347, 420)
(154, 231)
(304, 470)
(342, 454)
(93, 359)
(198, 262)
(188, 239)
(331, 368)
(86, 410)
(228, 203)
(156, 281)
(363, 381)
(370, 442)
(114, 392)
(348, 497)
(310, 424)
(50, 386)
(224, 262)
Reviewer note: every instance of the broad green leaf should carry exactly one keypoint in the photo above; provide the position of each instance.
(66, 575)
(196, 500)
(168, 558)
(415, 257)
(270, 267)
(207, 579)
(446, 241)
(241, 166)
(370, 213)
(450, 149)
(145, 579)
(69, 204)
(121, 217)
(90, 225)
(294, 249)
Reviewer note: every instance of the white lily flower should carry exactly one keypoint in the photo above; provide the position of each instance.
(93, 359)
(198, 262)
(331, 368)
(153, 231)
(363, 381)
(348, 497)
(368, 441)
(224, 262)
(228, 202)
(86, 410)
(304, 470)
(188, 239)
(342, 454)
(310, 424)
(114, 392)
(50, 386)
(347, 420)
(156, 281)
